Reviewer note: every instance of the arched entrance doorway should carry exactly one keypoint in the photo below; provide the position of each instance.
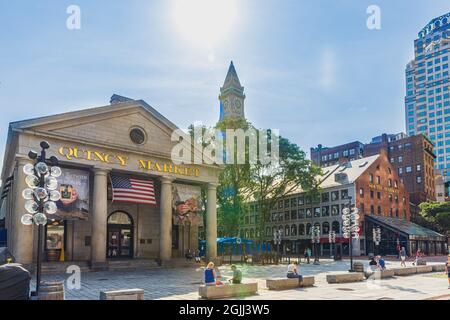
(120, 235)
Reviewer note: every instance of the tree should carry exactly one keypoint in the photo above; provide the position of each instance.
(438, 214)
(233, 181)
(272, 182)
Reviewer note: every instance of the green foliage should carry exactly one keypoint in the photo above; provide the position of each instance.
(438, 214)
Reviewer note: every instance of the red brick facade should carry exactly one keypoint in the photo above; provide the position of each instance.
(379, 191)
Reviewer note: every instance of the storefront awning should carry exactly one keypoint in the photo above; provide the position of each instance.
(411, 230)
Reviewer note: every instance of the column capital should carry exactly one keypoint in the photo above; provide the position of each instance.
(100, 171)
(212, 186)
(166, 179)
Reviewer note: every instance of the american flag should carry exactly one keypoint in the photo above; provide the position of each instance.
(132, 190)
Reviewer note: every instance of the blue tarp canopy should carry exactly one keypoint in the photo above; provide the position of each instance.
(233, 241)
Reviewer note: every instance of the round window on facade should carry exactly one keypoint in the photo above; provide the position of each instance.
(137, 135)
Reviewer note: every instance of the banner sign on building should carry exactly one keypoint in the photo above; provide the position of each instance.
(186, 204)
(74, 187)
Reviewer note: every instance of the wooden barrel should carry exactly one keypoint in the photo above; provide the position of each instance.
(51, 290)
(358, 267)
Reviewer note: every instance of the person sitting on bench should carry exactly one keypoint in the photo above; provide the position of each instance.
(292, 271)
(237, 275)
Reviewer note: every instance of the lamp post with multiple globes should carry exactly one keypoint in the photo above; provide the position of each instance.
(350, 222)
(41, 196)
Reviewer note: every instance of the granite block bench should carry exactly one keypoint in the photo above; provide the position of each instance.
(228, 290)
(424, 269)
(380, 274)
(289, 283)
(438, 267)
(345, 277)
(405, 271)
(128, 294)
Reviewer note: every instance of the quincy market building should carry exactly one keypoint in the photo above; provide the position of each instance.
(127, 139)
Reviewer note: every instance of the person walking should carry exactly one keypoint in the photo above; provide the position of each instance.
(308, 255)
(403, 257)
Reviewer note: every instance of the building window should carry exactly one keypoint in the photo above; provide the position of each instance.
(301, 201)
(392, 160)
(294, 215)
(293, 202)
(325, 228)
(344, 194)
(286, 203)
(334, 195)
(361, 192)
(408, 169)
(325, 197)
(308, 200)
(390, 197)
(378, 195)
(371, 178)
(389, 182)
(419, 179)
(379, 210)
(301, 213)
(326, 211)
(335, 210)
(395, 183)
(400, 170)
(372, 210)
(301, 229)
(309, 213)
(138, 136)
(280, 204)
(317, 212)
(418, 168)
(287, 216)
(378, 180)
(390, 212)
(400, 159)
(371, 194)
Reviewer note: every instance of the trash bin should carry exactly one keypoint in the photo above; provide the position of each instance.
(358, 267)
(14, 282)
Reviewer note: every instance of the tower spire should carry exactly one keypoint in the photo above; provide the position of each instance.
(231, 96)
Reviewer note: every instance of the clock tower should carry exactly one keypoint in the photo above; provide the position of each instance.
(231, 96)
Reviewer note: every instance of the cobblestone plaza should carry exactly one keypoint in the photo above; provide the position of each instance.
(183, 283)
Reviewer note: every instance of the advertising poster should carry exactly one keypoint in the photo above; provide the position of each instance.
(186, 205)
(74, 187)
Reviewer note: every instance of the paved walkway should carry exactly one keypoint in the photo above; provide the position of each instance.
(183, 283)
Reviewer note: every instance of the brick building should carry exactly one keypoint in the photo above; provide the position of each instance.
(412, 158)
(372, 185)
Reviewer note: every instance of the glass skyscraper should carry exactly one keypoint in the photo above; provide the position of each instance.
(427, 101)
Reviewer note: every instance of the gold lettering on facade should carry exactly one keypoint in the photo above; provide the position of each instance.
(75, 153)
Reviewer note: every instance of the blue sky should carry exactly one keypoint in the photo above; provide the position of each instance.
(310, 68)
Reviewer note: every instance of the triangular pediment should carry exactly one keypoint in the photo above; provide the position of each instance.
(110, 126)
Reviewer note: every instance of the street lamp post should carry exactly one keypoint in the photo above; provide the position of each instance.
(332, 239)
(376, 232)
(41, 196)
(350, 222)
(277, 241)
(315, 239)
